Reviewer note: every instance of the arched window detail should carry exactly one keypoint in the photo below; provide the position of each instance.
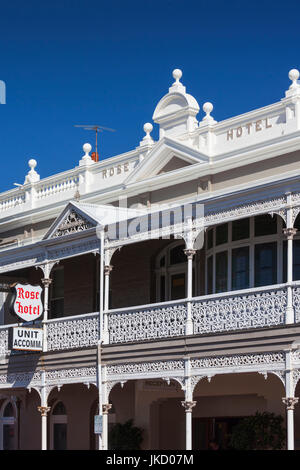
(59, 409)
(171, 273)
(8, 426)
(58, 423)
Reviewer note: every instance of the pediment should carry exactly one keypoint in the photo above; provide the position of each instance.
(71, 220)
(166, 156)
(174, 164)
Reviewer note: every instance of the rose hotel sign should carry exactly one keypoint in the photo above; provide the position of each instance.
(27, 305)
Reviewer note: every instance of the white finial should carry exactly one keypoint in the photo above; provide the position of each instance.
(32, 176)
(177, 85)
(147, 139)
(148, 128)
(207, 108)
(293, 76)
(86, 159)
(87, 148)
(177, 74)
(32, 163)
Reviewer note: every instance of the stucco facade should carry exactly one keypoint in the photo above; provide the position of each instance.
(171, 283)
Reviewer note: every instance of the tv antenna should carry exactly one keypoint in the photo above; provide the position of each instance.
(97, 129)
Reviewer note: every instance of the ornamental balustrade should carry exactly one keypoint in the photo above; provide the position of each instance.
(54, 186)
(72, 332)
(150, 322)
(238, 310)
(4, 341)
(11, 199)
(296, 302)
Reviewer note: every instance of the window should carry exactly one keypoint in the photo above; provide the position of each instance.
(178, 290)
(59, 427)
(296, 260)
(171, 273)
(210, 275)
(265, 225)
(240, 268)
(244, 253)
(221, 271)
(57, 293)
(265, 264)
(210, 238)
(221, 234)
(177, 255)
(162, 288)
(240, 229)
(8, 420)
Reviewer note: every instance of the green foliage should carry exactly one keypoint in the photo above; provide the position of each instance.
(263, 431)
(125, 436)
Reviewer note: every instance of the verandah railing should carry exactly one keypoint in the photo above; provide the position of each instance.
(237, 310)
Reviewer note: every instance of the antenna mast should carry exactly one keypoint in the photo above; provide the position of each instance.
(97, 129)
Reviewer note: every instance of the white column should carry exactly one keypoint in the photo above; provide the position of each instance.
(289, 232)
(290, 315)
(3, 296)
(100, 339)
(290, 403)
(188, 405)
(105, 407)
(289, 400)
(46, 282)
(189, 321)
(107, 271)
(44, 409)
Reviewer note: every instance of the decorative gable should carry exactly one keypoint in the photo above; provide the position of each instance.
(73, 223)
(73, 219)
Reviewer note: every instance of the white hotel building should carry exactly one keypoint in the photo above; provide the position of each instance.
(183, 338)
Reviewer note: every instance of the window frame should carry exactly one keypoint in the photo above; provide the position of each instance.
(250, 242)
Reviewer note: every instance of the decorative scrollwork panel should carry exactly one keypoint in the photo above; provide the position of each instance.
(237, 312)
(71, 334)
(151, 323)
(4, 342)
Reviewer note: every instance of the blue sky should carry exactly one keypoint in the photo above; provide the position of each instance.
(109, 63)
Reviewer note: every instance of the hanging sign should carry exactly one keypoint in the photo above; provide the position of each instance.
(27, 339)
(98, 424)
(27, 303)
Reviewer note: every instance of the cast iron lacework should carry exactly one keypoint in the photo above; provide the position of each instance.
(151, 323)
(72, 224)
(70, 334)
(20, 378)
(238, 360)
(145, 367)
(239, 312)
(296, 303)
(66, 375)
(244, 210)
(4, 342)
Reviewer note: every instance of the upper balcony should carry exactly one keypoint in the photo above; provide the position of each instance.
(212, 314)
(240, 279)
